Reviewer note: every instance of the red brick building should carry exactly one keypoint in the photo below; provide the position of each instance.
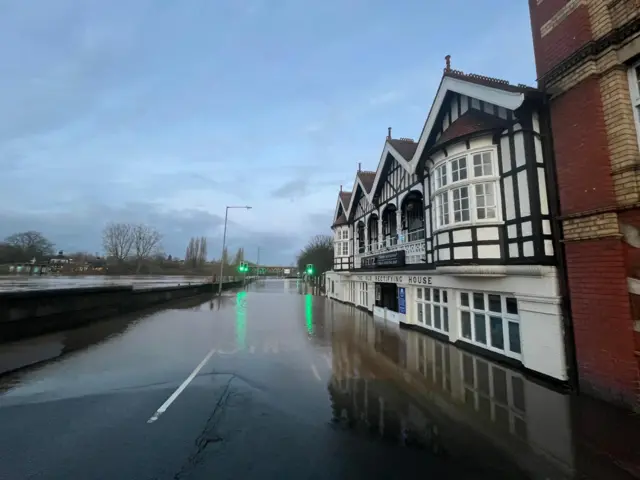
(588, 59)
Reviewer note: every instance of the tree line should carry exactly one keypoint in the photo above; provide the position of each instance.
(128, 248)
(318, 252)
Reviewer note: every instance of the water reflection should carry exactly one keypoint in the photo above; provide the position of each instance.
(410, 389)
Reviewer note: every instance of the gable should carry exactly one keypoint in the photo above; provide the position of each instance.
(363, 206)
(457, 94)
(457, 106)
(393, 177)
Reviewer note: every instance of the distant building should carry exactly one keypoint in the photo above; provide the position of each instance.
(60, 259)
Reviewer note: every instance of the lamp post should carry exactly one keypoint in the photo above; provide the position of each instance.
(224, 239)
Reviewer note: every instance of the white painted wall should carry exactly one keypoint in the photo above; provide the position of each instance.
(541, 326)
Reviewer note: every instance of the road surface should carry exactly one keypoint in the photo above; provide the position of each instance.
(273, 383)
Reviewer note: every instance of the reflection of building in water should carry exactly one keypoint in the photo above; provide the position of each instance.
(412, 388)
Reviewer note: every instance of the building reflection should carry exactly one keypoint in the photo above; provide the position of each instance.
(411, 389)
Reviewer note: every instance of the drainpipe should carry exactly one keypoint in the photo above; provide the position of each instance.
(558, 235)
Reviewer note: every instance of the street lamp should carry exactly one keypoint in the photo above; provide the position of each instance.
(224, 239)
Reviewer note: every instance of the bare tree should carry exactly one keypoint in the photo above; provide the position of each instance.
(30, 244)
(202, 251)
(117, 240)
(146, 241)
(239, 256)
(319, 252)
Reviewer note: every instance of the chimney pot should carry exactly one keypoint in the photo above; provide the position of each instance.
(359, 166)
(389, 134)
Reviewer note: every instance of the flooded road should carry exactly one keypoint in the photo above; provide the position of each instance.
(275, 383)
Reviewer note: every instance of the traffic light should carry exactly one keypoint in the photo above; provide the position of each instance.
(309, 270)
(243, 267)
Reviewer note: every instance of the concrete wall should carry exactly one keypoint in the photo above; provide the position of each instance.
(29, 313)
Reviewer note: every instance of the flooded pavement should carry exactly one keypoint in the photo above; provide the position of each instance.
(9, 283)
(275, 383)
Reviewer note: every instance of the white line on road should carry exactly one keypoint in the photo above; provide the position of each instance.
(328, 360)
(315, 372)
(181, 388)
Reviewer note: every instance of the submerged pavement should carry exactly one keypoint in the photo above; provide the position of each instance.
(276, 383)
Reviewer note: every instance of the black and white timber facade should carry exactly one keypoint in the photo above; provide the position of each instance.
(453, 233)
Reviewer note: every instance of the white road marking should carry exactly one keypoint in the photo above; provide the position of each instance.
(315, 372)
(328, 360)
(181, 388)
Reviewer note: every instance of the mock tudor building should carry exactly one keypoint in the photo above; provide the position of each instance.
(455, 234)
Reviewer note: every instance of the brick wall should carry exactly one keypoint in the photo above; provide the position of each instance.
(581, 149)
(601, 311)
(598, 162)
(559, 27)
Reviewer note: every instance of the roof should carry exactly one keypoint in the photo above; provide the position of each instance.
(471, 121)
(367, 179)
(488, 81)
(345, 197)
(404, 147)
(341, 220)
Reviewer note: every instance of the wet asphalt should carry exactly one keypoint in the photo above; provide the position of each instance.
(272, 383)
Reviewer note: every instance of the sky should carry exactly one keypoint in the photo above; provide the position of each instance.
(164, 113)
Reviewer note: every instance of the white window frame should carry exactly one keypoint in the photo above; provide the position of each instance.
(634, 90)
(506, 318)
(448, 186)
(426, 303)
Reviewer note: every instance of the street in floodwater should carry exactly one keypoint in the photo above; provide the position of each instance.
(274, 383)
(46, 282)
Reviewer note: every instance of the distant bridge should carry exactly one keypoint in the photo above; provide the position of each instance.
(278, 271)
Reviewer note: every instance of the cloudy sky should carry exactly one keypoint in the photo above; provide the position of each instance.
(164, 112)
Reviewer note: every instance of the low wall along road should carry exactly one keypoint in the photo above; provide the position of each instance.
(30, 313)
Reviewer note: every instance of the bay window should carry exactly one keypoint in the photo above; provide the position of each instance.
(465, 190)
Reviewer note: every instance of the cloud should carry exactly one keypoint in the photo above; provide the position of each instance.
(291, 189)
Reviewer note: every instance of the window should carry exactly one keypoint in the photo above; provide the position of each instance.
(364, 294)
(345, 248)
(466, 190)
(485, 201)
(442, 207)
(491, 321)
(634, 89)
(459, 169)
(432, 309)
(460, 204)
(441, 176)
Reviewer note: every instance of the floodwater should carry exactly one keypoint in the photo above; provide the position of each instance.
(45, 282)
(273, 382)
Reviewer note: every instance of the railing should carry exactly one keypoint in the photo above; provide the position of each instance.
(412, 242)
(393, 242)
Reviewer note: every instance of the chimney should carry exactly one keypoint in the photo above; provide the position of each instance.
(389, 134)
(341, 188)
(448, 63)
(359, 166)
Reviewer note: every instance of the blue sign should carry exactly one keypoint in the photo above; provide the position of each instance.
(402, 301)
